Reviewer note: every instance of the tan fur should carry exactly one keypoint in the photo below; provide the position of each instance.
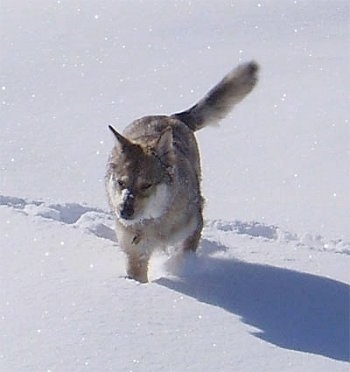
(153, 175)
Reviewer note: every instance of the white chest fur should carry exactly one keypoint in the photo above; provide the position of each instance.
(157, 203)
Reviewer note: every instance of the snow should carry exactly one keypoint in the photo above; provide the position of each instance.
(269, 287)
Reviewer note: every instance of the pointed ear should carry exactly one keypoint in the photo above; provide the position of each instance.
(122, 142)
(164, 145)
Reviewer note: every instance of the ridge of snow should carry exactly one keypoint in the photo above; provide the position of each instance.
(100, 223)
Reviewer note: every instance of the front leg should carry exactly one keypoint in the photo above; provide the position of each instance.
(137, 252)
(137, 265)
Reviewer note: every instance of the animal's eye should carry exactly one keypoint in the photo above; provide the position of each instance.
(146, 186)
(121, 184)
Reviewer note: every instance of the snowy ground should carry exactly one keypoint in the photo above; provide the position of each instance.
(270, 295)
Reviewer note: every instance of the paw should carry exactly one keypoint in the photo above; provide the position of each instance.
(139, 279)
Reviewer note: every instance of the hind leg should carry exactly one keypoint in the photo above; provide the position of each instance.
(191, 243)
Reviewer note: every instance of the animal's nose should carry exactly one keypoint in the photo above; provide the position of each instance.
(127, 212)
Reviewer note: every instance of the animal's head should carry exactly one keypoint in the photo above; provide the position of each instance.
(138, 177)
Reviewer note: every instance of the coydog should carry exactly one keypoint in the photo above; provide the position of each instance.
(153, 174)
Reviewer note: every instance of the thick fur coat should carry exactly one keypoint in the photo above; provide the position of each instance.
(153, 174)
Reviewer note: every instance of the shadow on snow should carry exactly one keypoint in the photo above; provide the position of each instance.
(292, 310)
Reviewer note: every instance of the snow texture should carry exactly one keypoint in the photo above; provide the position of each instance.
(269, 287)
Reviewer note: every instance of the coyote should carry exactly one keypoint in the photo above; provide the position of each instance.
(153, 174)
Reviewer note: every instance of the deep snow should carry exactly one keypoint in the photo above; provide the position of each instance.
(268, 295)
(255, 297)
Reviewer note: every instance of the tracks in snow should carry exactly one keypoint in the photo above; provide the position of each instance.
(100, 223)
(93, 220)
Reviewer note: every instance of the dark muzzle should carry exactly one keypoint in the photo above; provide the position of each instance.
(127, 208)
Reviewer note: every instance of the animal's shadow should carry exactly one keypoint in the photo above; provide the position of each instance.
(292, 310)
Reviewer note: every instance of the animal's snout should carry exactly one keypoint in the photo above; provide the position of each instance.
(127, 207)
(127, 211)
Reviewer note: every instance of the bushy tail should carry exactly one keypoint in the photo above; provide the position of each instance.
(221, 99)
